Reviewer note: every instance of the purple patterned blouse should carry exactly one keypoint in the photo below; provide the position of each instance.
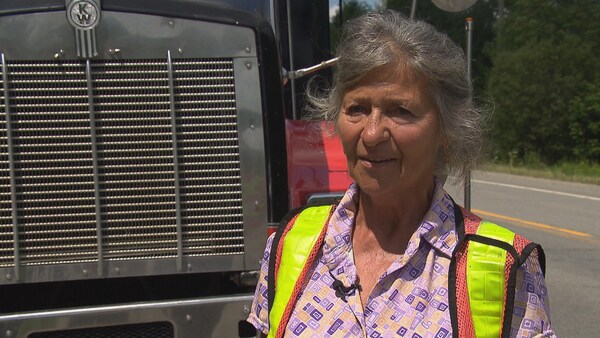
(411, 297)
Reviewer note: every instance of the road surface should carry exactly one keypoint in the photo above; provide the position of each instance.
(565, 219)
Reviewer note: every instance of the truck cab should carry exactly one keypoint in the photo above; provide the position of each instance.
(146, 147)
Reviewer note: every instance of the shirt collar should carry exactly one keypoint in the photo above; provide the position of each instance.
(437, 228)
(337, 245)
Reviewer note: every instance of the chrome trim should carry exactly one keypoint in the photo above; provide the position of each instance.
(175, 163)
(88, 74)
(205, 317)
(86, 43)
(124, 268)
(11, 169)
(252, 159)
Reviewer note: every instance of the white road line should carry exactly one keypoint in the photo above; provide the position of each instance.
(538, 190)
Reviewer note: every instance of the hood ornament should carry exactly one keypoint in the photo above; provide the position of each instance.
(84, 16)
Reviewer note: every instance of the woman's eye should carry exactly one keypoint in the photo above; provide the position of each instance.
(399, 112)
(356, 110)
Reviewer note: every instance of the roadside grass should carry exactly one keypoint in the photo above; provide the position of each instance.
(573, 172)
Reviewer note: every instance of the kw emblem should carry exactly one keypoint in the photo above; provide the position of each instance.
(84, 16)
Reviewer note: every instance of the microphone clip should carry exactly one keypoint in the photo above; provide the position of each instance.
(342, 291)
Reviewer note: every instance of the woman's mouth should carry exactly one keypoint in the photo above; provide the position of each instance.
(377, 161)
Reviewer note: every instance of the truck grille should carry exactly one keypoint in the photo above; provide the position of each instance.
(118, 160)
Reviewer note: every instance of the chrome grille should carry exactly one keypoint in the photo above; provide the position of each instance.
(99, 173)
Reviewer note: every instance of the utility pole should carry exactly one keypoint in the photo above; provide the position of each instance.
(469, 31)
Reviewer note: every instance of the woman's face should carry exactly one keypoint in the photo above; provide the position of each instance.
(390, 132)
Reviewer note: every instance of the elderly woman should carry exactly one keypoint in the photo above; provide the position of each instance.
(396, 256)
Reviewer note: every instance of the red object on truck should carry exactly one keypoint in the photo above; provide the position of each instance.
(316, 162)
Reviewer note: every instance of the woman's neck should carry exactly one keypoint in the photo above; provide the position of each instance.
(389, 221)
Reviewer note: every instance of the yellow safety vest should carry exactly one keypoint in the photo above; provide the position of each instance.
(481, 292)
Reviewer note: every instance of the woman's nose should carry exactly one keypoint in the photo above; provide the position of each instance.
(375, 130)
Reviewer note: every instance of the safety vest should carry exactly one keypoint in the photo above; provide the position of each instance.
(481, 279)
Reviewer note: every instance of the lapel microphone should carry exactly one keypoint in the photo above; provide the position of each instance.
(342, 291)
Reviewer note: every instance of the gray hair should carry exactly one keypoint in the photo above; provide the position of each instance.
(380, 38)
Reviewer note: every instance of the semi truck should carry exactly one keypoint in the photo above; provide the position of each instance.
(147, 148)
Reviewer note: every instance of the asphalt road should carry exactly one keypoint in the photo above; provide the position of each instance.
(565, 219)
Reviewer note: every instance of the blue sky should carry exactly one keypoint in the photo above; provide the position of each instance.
(334, 4)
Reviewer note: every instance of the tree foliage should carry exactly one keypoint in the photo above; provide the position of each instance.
(544, 81)
(584, 123)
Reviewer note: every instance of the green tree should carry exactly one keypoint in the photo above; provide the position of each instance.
(545, 67)
(584, 124)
